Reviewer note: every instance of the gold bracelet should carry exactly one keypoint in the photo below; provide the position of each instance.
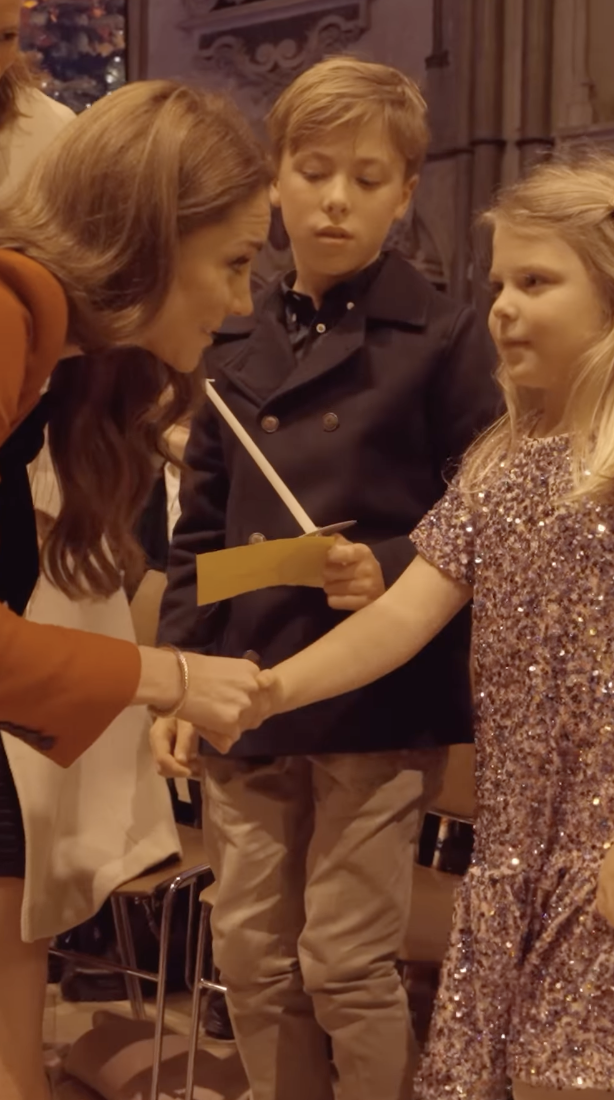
(185, 685)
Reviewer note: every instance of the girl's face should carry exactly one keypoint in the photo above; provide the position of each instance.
(10, 11)
(212, 281)
(546, 312)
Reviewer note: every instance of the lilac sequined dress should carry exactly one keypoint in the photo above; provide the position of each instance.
(527, 990)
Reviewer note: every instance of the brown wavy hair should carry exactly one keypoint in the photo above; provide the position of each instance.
(21, 76)
(104, 212)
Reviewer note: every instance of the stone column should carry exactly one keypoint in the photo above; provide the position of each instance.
(487, 140)
(536, 140)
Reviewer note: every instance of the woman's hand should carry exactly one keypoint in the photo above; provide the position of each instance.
(605, 887)
(222, 690)
(352, 575)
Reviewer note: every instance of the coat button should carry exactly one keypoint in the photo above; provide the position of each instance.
(251, 655)
(330, 421)
(255, 537)
(269, 423)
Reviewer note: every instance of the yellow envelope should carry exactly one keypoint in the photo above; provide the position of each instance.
(226, 573)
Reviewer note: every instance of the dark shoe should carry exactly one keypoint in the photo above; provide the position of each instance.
(217, 1020)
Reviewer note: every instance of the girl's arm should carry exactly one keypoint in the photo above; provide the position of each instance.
(371, 642)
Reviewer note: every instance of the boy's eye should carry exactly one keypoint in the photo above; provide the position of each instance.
(369, 183)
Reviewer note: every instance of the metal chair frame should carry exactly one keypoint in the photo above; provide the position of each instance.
(169, 887)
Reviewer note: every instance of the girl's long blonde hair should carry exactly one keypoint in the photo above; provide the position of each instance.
(104, 212)
(572, 196)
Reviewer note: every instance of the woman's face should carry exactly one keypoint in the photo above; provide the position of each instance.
(10, 11)
(212, 281)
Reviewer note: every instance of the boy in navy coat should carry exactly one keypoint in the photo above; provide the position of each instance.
(362, 384)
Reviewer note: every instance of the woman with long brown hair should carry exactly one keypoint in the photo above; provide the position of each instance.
(131, 243)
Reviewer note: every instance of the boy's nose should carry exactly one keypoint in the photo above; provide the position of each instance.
(336, 198)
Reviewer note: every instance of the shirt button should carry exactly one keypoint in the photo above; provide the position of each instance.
(269, 423)
(350, 305)
(251, 655)
(330, 421)
(320, 328)
(256, 537)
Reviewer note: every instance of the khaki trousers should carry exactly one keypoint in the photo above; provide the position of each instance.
(313, 857)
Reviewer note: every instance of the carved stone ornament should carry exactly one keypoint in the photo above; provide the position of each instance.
(266, 43)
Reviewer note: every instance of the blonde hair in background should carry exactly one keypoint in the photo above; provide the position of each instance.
(572, 196)
(21, 76)
(344, 91)
(104, 211)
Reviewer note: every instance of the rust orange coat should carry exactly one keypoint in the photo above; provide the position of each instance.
(64, 684)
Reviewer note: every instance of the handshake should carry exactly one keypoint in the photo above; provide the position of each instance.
(227, 696)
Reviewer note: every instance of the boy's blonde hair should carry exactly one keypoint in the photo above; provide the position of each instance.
(343, 91)
(571, 196)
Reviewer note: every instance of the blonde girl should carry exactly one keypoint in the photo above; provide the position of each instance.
(527, 532)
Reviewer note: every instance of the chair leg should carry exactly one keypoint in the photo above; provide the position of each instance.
(203, 927)
(165, 934)
(127, 954)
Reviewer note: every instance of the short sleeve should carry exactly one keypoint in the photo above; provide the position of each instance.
(446, 536)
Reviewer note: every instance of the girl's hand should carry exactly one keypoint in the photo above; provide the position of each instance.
(605, 888)
(352, 576)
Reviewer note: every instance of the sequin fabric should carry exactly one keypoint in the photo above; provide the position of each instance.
(527, 989)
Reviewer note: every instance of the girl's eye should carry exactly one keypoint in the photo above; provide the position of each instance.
(372, 184)
(312, 177)
(494, 289)
(8, 36)
(531, 281)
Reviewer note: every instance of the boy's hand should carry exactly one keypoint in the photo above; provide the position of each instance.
(352, 575)
(605, 888)
(174, 746)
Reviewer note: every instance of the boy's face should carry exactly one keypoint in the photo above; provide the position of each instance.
(339, 196)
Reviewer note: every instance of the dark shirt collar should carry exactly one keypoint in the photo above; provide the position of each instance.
(305, 322)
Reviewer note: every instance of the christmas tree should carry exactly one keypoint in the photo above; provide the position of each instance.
(79, 45)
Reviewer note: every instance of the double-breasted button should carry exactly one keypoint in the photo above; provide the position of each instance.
(269, 423)
(255, 537)
(330, 421)
(251, 655)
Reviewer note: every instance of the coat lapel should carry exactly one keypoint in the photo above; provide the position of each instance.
(265, 366)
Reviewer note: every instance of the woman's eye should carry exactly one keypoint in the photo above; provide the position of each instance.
(240, 263)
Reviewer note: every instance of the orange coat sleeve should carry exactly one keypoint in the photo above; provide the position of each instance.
(59, 688)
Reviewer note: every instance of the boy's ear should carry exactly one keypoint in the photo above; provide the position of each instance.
(408, 193)
(274, 195)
